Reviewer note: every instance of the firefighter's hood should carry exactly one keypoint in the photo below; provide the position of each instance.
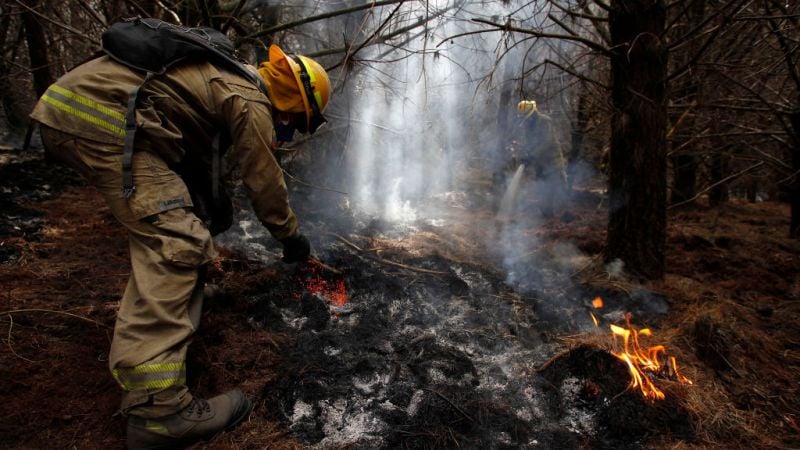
(284, 91)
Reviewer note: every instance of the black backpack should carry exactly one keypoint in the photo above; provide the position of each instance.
(153, 46)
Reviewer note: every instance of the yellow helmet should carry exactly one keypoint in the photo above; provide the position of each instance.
(297, 84)
(527, 107)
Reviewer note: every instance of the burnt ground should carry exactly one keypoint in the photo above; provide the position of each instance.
(732, 288)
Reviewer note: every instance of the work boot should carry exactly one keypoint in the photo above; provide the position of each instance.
(201, 419)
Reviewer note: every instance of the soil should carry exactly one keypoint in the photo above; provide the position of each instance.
(732, 287)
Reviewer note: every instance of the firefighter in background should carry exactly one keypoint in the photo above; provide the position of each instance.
(168, 219)
(536, 145)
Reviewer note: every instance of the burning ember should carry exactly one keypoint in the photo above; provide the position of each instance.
(313, 281)
(640, 360)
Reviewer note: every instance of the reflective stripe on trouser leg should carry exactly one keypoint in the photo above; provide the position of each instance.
(151, 376)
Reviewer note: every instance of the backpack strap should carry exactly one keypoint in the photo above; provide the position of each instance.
(128, 188)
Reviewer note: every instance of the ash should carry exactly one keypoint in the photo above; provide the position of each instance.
(433, 360)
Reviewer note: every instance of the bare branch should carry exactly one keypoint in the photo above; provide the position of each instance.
(718, 183)
(93, 13)
(572, 13)
(577, 75)
(234, 15)
(510, 28)
(80, 34)
(380, 40)
(318, 17)
(370, 38)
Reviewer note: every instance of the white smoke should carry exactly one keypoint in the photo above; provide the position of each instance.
(419, 118)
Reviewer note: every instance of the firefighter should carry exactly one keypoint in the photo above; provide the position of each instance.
(183, 118)
(540, 151)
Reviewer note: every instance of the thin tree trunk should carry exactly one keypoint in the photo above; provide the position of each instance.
(578, 133)
(720, 168)
(637, 163)
(15, 114)
(794, 183)
(684, 163)
(504, 114)
(684, 169)
(37, 51)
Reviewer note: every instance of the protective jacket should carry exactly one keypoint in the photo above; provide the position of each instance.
(183, 116)
(179, 116)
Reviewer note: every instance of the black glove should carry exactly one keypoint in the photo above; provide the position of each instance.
(295, 248)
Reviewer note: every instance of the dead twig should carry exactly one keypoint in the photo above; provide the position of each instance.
(550, 361)
(18, 311)
(384, 260)
(297, 180)
(75, 32)
(8, 342)
(420, 338)
(324, 266)
(440, 395)
(722, 181)
(585, 266)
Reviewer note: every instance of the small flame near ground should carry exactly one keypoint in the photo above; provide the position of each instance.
(640, 360)
(331, 288)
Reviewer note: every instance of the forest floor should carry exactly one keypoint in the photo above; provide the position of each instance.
(732, 283)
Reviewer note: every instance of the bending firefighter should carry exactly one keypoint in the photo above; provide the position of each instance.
(185, 119)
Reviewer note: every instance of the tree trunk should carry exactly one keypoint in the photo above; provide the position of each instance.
(684, 163)
(684, 168)
(501, 155)
(15, 114)
(637, 163)
(578, 133)
(720, 168)
(794, 183)
(37, 50)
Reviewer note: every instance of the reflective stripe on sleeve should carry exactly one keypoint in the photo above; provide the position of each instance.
(151, 376)
(86, 109)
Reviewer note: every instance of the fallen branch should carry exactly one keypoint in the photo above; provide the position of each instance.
(385, 261)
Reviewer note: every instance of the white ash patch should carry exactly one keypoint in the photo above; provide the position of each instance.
(293, 322)
(330, 351)
(369, 385)
(413, 404)
(302, 410)
(346, 423)
(437, 376)
(577, 420)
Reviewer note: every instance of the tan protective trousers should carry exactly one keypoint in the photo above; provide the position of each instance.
(160, 309)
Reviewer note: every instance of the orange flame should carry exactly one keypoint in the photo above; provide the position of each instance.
(640, 360)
